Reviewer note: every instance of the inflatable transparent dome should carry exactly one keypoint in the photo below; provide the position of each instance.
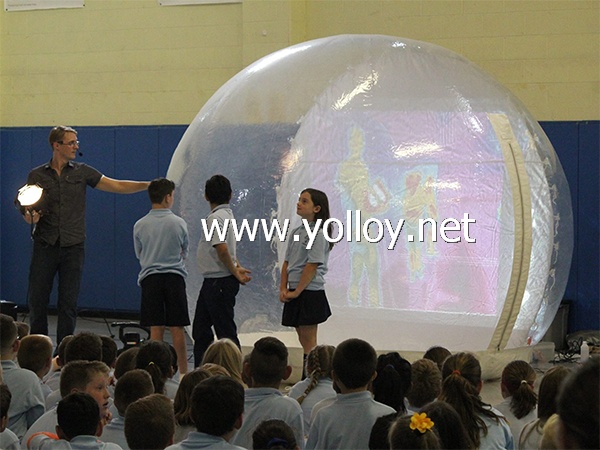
(452, 212)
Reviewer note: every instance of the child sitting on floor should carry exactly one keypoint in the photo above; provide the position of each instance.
(78, 425)
(354, 363)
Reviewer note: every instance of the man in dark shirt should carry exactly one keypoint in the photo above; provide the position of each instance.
(59, 236)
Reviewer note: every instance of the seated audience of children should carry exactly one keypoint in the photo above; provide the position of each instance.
(332, 408)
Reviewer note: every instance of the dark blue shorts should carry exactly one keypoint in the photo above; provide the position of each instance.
(164, 301)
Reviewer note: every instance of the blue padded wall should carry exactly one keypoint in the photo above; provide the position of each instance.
(565, 140)
(578, 147)
(98, 147)
(140, 155)
(587, 315)
(15, 244)
(144, 152)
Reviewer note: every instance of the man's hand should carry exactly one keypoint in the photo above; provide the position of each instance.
(32, 216)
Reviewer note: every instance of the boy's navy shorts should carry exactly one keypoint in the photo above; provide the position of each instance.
(164, 301)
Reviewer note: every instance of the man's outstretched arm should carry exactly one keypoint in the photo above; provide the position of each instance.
(121, 186)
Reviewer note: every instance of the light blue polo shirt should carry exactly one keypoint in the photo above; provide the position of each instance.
(160, 240)
(264, 403)
(27, 404)
(209, 264)
(346, 422)
(198, 440)
(298, 256)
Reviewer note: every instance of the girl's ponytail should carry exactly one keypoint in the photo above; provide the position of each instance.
(518, 378)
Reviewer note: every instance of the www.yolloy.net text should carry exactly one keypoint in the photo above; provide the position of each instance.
(372, 230)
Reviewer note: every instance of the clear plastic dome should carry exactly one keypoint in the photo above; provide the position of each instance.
(398, 129)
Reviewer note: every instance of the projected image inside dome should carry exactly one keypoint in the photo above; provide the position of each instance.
(397, 133)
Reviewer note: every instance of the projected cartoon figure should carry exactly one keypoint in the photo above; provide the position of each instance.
(419, 202)
(371, 198)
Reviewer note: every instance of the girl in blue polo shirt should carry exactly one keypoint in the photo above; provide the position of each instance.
(302, 274)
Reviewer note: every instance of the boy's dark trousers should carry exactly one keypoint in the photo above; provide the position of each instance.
(215, 308)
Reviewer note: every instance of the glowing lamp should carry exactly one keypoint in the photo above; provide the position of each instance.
(27, 198)
(29, 195)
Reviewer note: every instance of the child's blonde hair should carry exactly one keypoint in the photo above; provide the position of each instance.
(215, 369)
(225, 353)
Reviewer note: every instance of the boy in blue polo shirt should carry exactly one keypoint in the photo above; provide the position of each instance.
(161, 244)
(216, 408)
(348, 420)
(222, 272)
(79, 424)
